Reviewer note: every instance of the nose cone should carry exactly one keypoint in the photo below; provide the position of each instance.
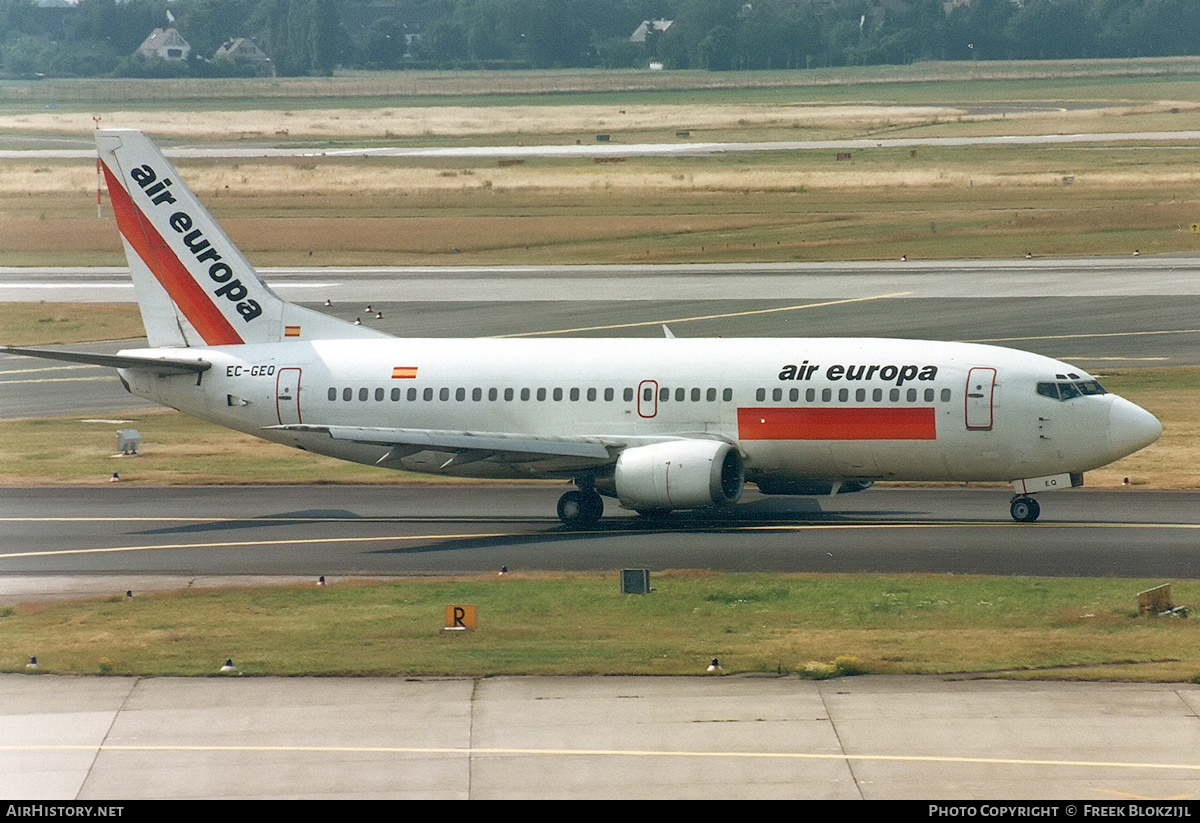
(1130, 427)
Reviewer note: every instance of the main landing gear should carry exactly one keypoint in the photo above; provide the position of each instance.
(580, 509)
(1024, 509)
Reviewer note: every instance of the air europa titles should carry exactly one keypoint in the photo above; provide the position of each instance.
(219, 272)
(885, 373)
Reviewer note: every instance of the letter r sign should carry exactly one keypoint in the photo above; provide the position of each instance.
(460, 618)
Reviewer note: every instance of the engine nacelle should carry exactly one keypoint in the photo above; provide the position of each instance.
(680, 474)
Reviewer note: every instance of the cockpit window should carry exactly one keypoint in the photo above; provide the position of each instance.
(1069, 390)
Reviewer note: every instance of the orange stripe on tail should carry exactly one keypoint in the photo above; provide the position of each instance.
(196, 305)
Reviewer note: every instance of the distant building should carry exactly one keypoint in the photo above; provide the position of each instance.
(657, 26)
(165, 43)
(245, 50)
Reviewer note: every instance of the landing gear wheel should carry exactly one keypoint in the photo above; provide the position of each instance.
(580, 509)
(1025, 509)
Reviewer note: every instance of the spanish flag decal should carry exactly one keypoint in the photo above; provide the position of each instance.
(291, 331)
(404, 372)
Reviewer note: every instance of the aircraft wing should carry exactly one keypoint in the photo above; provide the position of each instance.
(550, 453)
(154, 365)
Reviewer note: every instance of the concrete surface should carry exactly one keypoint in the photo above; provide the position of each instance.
(605, 737)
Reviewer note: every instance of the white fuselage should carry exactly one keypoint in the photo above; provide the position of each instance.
(795, 408)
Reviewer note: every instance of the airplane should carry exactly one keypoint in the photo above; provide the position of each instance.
(657, 424)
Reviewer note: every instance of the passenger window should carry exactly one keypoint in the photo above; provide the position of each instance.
(877, 395)
(860, 395)
(574, 395)
(476, 394)
(347, 394)
(826, 395)
(680, 395)
(608, 395)
(395, 394)
(760, 395)
(695, 395)
(541, 394)
(929, 395)
(711, 395)
(912, 395)
(777, 395)
(664, 394)
(493, 394)
(379, 394)
(591, 395)
(628, 395)
(508, 394)
(412, 394)
(945, 395)
(727, 395)
(460, 394)
(557, 394)
(363, 394)
(843, 395)
(524, 394)
(894, 396)
(810, 395)
(428, 394)
(794, 395)
(444, 394)
(333, 394)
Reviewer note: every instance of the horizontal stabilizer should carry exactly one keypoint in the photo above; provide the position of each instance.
(154, 365)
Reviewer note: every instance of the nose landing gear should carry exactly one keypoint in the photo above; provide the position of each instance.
(1024, 509)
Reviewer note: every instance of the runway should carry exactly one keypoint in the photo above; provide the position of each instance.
(286, 531)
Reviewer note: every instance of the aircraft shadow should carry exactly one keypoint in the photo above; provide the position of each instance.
(286, 519)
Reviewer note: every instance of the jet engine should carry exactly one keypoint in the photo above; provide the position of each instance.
(680, 474)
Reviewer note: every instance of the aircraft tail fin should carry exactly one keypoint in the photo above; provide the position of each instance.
(193, 285)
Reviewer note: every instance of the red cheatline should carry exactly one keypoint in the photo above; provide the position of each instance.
(836, 423)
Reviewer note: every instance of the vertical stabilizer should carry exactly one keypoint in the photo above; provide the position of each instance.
(193, 285)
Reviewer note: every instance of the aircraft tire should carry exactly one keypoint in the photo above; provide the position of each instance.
(580, 509)
(1025, 509)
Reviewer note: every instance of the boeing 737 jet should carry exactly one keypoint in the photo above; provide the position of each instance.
(657, 424)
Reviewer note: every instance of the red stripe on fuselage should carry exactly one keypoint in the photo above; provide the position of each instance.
(169, 270)
(830, 423)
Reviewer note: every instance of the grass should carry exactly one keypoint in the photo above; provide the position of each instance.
(967, 202)
(45, 324)
(581, 624)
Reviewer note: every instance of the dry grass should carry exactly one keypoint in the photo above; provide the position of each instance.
(478, 121)
(41, 324)
(1173, 462)
(945, 203)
